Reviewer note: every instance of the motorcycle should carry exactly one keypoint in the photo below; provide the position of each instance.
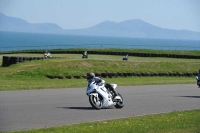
(47, 55)
(101, 97)
(198, 81)
(84, 56)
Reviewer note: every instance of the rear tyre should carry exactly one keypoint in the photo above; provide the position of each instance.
(95, 102)
(119, 103)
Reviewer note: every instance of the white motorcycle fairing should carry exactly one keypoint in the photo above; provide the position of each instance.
(47, 55)
(99, 89)
(198, 81)
(100, 96)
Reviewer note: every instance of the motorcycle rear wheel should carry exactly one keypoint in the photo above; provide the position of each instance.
(95, 102)
(120, 104)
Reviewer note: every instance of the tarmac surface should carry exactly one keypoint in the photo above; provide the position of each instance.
(32, 109)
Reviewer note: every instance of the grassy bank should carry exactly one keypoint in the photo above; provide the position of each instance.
(174, 122)
(32, 74)
(74, 65)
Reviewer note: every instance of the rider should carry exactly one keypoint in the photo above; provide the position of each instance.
(46, 52)
(85, 53)
(91, 77)
(198, 78)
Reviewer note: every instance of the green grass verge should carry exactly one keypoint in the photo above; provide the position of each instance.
(174, 122)
(28, 83)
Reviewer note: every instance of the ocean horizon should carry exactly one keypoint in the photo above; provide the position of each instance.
(10, 41)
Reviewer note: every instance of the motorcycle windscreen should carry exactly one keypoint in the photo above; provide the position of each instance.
(114, 85)
(91, 87)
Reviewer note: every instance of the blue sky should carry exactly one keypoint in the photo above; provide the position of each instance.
(75, 14)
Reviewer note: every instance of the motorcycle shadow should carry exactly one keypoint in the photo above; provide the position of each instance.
(190, 96)
(82, 108)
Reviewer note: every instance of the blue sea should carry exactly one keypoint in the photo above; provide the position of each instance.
(11, 41)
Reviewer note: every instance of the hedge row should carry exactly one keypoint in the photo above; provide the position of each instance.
(130, 54)
(131, 74)
(9, 60)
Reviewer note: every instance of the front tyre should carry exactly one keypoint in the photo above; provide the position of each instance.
(95, 102)
(119, 103)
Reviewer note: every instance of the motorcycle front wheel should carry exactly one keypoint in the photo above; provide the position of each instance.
(95, 102)
(120, 103)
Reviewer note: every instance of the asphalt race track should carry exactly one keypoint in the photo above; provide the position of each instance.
(28, 109)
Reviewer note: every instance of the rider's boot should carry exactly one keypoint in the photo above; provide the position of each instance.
(115, 96)
(113, 90)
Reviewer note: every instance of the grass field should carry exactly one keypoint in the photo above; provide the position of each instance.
(174, 122)
(32, 75)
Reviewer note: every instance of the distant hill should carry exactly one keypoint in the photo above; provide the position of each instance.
(134, 28)
(19, 25)
(131, 28)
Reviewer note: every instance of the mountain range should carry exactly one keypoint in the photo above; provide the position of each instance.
(130, 28)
